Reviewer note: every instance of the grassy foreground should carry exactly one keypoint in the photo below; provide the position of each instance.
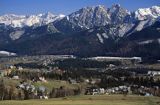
(90, 100)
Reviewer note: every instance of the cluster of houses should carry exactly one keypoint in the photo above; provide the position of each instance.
(94, 91)
(99, 91)
(153, 73)
(7, 71)
(118, 90)
(40, 92)
(146, 91)
(133, 89)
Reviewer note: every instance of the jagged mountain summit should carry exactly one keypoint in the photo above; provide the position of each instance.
(147, 13)
(90, 17)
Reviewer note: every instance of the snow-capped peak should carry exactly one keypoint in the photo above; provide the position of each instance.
(116, 6)
(88, 17)
(148, 13)
(29, 20)
(61, 15)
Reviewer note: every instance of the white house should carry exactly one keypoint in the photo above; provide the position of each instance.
(15, 77)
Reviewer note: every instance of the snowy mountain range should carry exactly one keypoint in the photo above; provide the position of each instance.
(86, 17)
(95, 30)
(98, 15)
(29, 20)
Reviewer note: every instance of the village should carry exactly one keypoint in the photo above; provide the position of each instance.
(60, 76)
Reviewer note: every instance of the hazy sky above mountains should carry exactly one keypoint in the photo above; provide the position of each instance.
(66, 6)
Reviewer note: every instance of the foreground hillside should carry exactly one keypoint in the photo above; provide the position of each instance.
(91, 100)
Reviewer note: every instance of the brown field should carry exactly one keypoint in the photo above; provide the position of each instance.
(90, 100)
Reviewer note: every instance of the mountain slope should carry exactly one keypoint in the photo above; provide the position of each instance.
(145, 43)
(92, 42)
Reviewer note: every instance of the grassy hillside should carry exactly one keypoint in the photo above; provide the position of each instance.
(56, 84)
(50, 84)
(90, 100)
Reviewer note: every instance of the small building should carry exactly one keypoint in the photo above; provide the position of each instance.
(111, 65)
(12, 67)
(15, 77)
(2, 73)
(118, 90)
(72, 81)
(94, 91)
(91, 91)
(26, 86)
(5, 72)
(20, 68)
(42, 92)
(95, 81)
(86, 81)
(42, 79)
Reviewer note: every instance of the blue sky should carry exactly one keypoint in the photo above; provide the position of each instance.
(66, 6)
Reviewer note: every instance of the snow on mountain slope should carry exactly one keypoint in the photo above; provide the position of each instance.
(159, 40)
(142, 24)
(147, 13)
(149, 41)
(145, 23)
(119, 14)
(100, 38)
(6, 53)
(24, 20)
(17, 34)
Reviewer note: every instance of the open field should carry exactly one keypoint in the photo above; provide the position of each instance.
(90, 100)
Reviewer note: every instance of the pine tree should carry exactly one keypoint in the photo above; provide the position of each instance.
(2, 89)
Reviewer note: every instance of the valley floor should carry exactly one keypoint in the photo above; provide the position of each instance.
(91, 100)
